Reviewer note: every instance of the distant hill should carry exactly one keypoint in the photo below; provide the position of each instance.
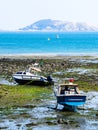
(57, 25)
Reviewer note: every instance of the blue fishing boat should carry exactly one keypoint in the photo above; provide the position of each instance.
(69, 96)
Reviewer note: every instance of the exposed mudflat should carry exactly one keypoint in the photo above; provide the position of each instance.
(42, 115)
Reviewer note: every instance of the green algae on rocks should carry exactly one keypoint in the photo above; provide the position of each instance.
(11, 96)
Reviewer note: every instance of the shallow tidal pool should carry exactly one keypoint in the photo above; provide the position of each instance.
(44, 116)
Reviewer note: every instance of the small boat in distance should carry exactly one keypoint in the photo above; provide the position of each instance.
(49, 39)
(69, 96)
(57, 36)
(32, 76)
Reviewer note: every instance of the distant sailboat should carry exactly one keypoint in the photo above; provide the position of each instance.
(48, 39)
(57, 36)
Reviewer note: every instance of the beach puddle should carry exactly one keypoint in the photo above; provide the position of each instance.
(5, 82)
(45, 116)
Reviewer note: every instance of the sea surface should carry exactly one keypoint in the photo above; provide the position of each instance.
(56, 43)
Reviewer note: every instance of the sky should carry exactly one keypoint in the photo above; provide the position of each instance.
(16, 14)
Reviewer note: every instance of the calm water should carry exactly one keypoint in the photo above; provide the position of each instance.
(51, 43)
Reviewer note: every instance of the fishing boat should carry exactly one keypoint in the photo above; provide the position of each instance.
(32, 77)
(69, 96)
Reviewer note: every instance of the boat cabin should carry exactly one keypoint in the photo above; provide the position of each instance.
(68, 89)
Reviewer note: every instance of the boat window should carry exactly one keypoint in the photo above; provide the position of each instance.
(62, 90)
(66, 88)
(19, 73)
(77, 90)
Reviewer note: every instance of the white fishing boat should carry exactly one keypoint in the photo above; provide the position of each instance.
(32, 76)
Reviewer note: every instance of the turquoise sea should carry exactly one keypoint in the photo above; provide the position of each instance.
(28, 43)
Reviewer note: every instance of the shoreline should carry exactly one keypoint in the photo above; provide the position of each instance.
(46, 56)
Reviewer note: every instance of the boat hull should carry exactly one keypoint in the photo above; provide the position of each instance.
(72, 100)
(33, 82)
